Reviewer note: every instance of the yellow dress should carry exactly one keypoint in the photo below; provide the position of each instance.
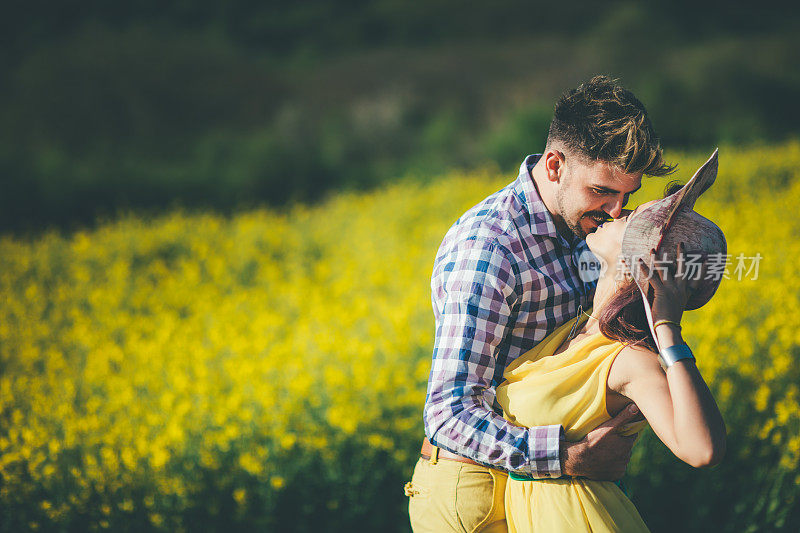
(568, 389)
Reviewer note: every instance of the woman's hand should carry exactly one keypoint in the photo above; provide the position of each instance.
(671, 286)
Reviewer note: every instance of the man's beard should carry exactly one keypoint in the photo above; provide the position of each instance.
(576, 229)
(561, 199)
(574, 226)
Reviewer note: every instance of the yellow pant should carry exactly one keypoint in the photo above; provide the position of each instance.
(449, 496)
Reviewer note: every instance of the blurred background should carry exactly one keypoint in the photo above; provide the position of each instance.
(218, 223)
(149, 104)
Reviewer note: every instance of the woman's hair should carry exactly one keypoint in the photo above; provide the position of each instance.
(623, 318)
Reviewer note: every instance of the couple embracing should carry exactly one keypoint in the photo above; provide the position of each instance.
(544, 372)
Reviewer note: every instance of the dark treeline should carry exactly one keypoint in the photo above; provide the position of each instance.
(144, 105)
(324, 26)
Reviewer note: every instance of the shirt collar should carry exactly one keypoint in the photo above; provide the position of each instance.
(541, 220)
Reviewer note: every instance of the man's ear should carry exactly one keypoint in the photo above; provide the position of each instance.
(554, 164)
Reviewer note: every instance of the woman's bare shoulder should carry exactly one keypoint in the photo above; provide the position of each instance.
(631, 363)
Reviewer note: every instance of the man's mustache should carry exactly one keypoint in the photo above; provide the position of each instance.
(605, 216)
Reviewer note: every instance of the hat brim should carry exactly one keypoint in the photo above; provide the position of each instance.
(646, 230)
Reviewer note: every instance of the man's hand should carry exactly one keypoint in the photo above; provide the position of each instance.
(603, 454)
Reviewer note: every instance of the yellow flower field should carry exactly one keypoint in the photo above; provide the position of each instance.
(193, 371)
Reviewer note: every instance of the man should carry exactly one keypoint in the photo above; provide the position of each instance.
(506, 275)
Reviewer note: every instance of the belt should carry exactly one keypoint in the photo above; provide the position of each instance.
(524, 477)
(433, 453)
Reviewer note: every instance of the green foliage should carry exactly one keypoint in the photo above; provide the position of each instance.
(142, 107)
(106, 108)
(523, 133)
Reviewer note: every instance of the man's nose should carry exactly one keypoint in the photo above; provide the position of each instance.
(614, 210)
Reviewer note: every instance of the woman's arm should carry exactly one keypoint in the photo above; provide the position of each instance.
(676, 402)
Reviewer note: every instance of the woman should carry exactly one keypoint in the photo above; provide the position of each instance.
(622, 351)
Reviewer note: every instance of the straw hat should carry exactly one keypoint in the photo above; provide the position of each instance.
(670, 221)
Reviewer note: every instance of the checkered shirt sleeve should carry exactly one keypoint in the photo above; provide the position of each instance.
(477, 295)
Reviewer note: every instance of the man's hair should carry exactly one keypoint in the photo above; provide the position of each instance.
(601, 120)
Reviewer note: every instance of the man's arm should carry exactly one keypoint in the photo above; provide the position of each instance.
(474, 295)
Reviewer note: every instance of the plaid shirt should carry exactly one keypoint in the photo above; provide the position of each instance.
(503, 280)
